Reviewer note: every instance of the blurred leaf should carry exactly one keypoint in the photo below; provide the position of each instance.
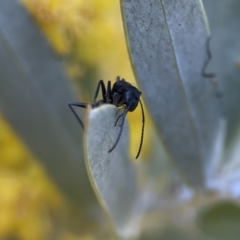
(221, 221)
(227, 176)
(112, 174)
(167, 43)
(173, 233)
(34, 93)
(224, 20)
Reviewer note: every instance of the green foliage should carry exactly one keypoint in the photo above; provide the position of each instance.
(221, 221)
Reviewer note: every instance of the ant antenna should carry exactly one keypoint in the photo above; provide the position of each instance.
(143, 123)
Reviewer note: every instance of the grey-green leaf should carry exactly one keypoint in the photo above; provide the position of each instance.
(34, 96)
(112, 174)
(167, 42)
(224, 20)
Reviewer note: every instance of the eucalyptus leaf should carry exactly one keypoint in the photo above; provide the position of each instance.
(167, 41)
(224, 20)
(113, 175)
(34, 96)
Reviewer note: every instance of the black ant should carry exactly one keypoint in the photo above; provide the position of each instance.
(122, 95)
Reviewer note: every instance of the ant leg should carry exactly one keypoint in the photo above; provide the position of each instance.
(119, 109)
(120, 133)
(77, 104)
(118, 117)
(102, 85)
(143, 123)
(109, 93)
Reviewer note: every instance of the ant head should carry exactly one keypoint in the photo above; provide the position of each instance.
(124, 94)
(132, 98)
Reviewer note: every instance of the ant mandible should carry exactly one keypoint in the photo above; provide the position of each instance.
(122, 95)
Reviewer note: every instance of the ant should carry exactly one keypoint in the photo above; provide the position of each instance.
(122, 95)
